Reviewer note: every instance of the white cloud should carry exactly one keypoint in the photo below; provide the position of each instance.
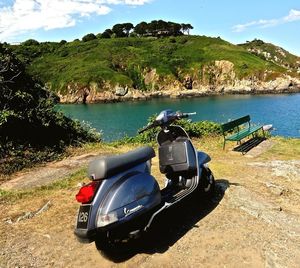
(293, 15)
(29, 15)
(125, 2)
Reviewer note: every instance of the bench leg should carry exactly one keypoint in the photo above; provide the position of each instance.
(224, 144)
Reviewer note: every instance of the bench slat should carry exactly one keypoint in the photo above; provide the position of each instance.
(243, 133)
(234, 123)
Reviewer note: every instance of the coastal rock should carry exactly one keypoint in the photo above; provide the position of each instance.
(151, 78)
(224, 72)
(188, 82)
(121, 91)
(215, 79)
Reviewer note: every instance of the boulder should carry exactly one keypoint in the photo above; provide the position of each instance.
(188, 82)
(121, 91)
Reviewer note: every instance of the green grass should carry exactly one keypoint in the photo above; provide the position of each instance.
(112, 60)
(284, 58)
(284, 149)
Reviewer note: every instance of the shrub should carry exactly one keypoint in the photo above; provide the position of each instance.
(31, 130)
(194, 130)
(30, 42)
(89, 37)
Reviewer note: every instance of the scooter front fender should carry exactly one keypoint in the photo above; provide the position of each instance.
(203, 159)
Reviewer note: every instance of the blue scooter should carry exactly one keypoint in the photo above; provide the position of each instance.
(123, 199)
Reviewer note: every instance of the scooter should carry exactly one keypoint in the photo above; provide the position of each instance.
(123, 199)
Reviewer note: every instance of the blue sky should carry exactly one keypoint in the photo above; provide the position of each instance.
(236, 21)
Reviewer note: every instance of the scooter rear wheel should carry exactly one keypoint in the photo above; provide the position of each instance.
(207, 183)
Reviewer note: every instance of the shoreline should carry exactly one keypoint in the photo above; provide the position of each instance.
(136, 95)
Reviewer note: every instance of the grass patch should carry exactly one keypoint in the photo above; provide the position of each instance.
(11, 196)
(284, 149)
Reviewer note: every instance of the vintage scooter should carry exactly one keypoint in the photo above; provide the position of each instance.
(123, 199)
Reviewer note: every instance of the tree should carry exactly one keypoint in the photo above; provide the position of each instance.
(174, 28)
(127, 27)
(122, 29)
(89, 37)
(30, 42)
(106, 34)
(188, 27)
(153, 26)
(118, 30)
(142, 28)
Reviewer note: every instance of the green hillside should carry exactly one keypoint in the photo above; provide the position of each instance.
(273, 53)
(124, 61)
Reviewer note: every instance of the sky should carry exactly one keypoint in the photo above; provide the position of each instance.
(236, 21)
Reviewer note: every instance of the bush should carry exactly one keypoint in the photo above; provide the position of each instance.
(194, 130)
(31, 130)
(30, 42)
(89, 37)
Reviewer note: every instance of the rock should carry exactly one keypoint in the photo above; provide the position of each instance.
(213, 79)
(121, 91)
(256, 206)
(31, 214)
(289, 169)
(151, 78)
(188, 82)
(8, 221)
(43, 208)
(26, 216)
(224, 72)
(275, 189)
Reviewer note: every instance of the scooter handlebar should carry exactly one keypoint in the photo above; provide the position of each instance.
(151, 125)
(184, 115)
(171, 118)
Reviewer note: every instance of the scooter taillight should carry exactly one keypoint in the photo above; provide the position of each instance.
(87, 192)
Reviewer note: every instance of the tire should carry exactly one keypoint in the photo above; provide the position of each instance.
(103, 244)
(207, 183)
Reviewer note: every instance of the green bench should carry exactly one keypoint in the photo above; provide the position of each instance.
(241, 128)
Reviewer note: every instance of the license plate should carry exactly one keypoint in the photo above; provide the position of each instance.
(83, 217)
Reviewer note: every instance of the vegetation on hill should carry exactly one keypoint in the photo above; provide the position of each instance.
(31, 130)
(275, 54)
(124, 61)
(157, 28)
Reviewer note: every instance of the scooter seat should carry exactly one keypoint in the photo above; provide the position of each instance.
(105, 167)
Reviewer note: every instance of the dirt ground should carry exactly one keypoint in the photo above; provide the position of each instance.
(252, 221)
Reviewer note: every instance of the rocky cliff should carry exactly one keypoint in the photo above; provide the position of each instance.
(214, 79)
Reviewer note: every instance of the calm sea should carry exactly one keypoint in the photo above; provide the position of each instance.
(119, 119)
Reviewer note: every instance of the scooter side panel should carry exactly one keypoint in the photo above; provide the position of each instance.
(132, 194)
(135, 185)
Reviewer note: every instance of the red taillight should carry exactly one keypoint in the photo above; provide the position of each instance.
(87, 192)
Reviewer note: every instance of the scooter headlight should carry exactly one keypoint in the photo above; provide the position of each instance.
(103, 220)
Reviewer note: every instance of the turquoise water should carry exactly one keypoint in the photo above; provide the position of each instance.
(119, 119)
